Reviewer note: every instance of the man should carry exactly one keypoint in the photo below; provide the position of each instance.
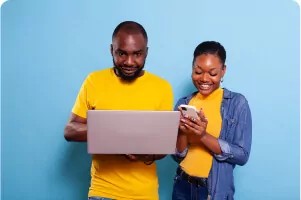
(126, 86)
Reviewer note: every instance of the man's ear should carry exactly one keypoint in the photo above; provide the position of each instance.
(146, 53)
(111, 49)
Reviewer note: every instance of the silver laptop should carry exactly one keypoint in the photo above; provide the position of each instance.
(132, 132)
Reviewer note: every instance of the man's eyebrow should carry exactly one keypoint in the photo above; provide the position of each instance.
(139, 51)
(120, 50)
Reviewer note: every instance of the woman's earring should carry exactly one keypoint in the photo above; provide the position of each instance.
(222, 79)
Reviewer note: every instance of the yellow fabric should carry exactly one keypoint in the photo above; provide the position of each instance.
(113, 176)
(198, 160)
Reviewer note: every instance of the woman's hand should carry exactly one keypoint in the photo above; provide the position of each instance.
(189, 125)
(196, 128)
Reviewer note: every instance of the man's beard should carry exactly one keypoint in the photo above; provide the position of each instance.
(126, 77)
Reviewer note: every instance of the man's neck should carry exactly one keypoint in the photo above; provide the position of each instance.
(117, 73)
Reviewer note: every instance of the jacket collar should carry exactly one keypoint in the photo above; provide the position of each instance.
(227, 94)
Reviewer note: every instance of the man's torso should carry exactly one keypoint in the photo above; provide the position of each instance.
(114, 176)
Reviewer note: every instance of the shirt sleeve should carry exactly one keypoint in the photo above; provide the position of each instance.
(81, 104)
(238, 151)
(181, 154)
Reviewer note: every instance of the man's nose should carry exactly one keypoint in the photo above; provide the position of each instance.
(129, 61)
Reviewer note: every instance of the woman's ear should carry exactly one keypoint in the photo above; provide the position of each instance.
(224, 70)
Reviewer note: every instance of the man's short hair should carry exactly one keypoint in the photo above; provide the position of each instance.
(130, 27)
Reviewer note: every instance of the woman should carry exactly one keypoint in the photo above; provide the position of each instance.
(209, 147)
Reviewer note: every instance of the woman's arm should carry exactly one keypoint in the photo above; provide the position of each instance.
(211, 143)
(236, 152)
(182, 141)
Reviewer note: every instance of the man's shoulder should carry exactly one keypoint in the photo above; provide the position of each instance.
(158, 80)
(99, 75)
(101, 72)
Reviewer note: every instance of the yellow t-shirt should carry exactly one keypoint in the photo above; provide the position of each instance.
(113, 176)
(198, 160)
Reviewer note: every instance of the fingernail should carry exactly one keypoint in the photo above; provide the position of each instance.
(182, 120)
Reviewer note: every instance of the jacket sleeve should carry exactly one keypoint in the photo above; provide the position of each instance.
(238, 151)
(179, 156)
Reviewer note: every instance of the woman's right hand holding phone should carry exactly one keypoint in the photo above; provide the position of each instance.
(192, 126)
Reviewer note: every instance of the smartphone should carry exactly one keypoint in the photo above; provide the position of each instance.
(190, 111)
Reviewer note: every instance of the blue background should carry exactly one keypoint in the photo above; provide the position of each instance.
(48, 48)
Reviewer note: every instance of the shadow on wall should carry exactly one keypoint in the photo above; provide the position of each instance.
(75, 170)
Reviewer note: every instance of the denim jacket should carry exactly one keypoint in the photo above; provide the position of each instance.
(235, 143)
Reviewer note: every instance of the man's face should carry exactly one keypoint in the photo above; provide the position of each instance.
(129, 52)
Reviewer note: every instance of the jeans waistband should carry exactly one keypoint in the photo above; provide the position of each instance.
(197, 181)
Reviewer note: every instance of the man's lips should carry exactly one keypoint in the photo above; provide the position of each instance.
(129, 70)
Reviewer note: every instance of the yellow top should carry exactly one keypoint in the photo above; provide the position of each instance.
(113, 176)
(198, 160)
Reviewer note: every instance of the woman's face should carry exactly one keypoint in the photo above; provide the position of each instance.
(207, 73)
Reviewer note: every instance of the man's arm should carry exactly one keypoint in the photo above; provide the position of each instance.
(149, 159)
(159, 157)
(76, 129)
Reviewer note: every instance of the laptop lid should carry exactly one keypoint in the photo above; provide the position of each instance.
(132, 132)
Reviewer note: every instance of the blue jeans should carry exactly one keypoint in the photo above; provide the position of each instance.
(98, 198)
(183, 190)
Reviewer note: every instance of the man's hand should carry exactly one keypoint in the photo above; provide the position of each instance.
(140, 157)
(131, 157)
(144, 157)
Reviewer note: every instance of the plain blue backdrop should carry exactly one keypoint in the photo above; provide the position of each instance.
(48, 48)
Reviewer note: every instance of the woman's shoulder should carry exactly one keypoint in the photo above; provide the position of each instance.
(236, 97)
(186, 98)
